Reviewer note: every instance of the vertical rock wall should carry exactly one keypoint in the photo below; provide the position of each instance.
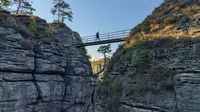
(43, 76)
(167, 80)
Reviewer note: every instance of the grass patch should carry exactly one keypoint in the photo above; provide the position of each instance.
(33, 26)
(48, 32)
(139, 51)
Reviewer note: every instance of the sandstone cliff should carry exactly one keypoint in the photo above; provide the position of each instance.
(41, 71)
(158, 69)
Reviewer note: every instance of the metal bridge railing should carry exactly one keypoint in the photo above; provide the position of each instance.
(107, 36)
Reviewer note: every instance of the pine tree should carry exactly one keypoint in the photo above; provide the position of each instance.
(62, 10)
(23, 7)
(4, 4)
(104, 49)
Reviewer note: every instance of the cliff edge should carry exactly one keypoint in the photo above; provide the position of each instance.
(40, 70)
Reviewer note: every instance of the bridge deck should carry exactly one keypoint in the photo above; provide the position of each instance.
(100, 42)
(112, 37)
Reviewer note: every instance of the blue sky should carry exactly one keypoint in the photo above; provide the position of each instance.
(105, 16)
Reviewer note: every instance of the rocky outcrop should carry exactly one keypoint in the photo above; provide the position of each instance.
(187, 89)
(43, 75)
(173, 18)
(158, 69)
(167, 79)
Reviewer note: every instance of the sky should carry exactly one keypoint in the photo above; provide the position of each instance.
(90, 16)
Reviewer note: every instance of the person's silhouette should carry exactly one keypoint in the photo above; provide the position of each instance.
(97, 36)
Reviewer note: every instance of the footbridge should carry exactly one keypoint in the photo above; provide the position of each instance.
(104, 38)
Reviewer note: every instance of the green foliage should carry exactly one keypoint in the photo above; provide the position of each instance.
(23, 6)
(4, 4)
(105, 49)
(33, 26)
(27, 8)
(88, 56)
(56, 21)
(62, 10)
(48, 32)
(139, 51)
(84, 52)
(97, 65)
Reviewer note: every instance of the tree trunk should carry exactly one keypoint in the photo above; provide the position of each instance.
(18, 7)
(59, 11)
(62, 19)
(104, 67)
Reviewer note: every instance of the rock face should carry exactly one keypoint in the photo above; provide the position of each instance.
(42, 75)
(167, 79)
(160, 73)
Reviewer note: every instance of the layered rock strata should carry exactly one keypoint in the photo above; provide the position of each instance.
(40, 75)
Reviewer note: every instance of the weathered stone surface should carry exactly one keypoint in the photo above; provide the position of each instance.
(16, 95)
(125, 108)
(166, 81)
(50, 58)
(41, 24)
(65, 35)
(17, 106)
(47, 78)
(4, 76)
(79, 93)
(78, 64)
(187, 92)
(51, 86)
(13, 56)
(17, 90)
(78, 107)
(43, 75)
(55, 106)
(84, 85)
(157, 69)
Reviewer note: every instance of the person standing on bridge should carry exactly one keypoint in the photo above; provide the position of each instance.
(97, 36)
